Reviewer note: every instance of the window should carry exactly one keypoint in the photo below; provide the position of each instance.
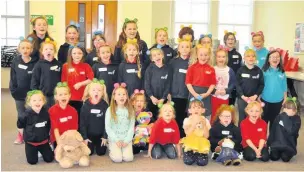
(14, 18)
(195, 12)
(236, 15)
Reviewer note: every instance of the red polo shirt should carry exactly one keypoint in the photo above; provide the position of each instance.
(164, 133)
(62, 119)
(254, 132)
(77, 73)
(201, 75)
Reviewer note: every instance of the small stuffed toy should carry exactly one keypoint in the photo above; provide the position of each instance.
(72, 150)
(143, 129)
(227, 154)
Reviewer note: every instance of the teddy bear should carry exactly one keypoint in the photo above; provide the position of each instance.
(142, 129)
(227, 154)
(196, 145)
(72, 150)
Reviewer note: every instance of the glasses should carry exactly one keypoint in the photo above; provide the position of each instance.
(226, 117)
(275, 57)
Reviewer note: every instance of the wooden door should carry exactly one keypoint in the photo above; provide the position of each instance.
(91, 16)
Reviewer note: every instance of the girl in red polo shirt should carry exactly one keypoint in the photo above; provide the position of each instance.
(77, 74)
(200, 77)
(164, 138)
(63, 116)
(254, 133)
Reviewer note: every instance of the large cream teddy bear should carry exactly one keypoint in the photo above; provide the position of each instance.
(72, 150)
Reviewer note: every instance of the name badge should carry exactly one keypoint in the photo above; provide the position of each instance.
(260, 129)
(22, 66)
(281, 76)
(82, 73)
(54, 67)
(71, 70)
(29, 72)
(168, 130)
(182, 71)
(208, 72)
(130, 70)
(235, 56)
(95, 111)
(169, 54)
(65, 119)
(245, 75)
(281, 123)
(224, 132)
(95, 58)
(41, 124)
(102, 69)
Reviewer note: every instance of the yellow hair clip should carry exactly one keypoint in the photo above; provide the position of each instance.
(202, 46)
(48, 40)
(226, 31)
(182, 26)
(134, 41)
(186, 38)
(164, 29)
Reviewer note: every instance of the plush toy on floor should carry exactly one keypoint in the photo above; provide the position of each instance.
(72, 150)
(227, 154)
(142, 130)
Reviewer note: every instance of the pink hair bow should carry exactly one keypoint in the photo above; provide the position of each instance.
(116, 85)
(136, 91)
(261, 103)
(257, 33)
(271, 49)
(221, 47)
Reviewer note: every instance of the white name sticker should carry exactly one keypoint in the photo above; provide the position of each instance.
(29, 72)
(65, 119)
(102, 69)
(169, 54)
(235, 56)
(71, 70)
(224, 132)
(22, 66)
(245, 75)
(41, 124)
(82, 73)
(260, 129)
(168, 130)
(208, 72)
(131, 71)
(182, 71)
(95, 111)
(95, 58)
(54, 67)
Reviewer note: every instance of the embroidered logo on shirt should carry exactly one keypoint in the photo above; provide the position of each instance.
(57, 70)
(256, 77)
(41, 124)
(281, 123)
(168, 130)
(208, 72)
(260, 129)
(237, 62)
(22, 66)
(164, 77)
(102, 69)
(182, 71)
(65, 119)
(111, 73)
(71, 70)
(263, 58)
(30, 72)
(99, 115)
(281, 76)
(169, 54)
(95, 58)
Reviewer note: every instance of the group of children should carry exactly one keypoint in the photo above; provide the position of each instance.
(90, 93)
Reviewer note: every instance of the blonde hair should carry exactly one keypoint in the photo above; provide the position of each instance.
(194, 58)
(157, 50)
(181, 41)
(113, 105)
(290, 104)
(139, 94)
(252, 104)
(104, 96)
(162, 109)
(161, 29)
(27, 41)
(248, 51)
(98, 51)
(226, 55)
(30, 94)
(61, 85)
(137, 56)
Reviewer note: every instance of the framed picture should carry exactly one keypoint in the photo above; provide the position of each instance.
(299, 39)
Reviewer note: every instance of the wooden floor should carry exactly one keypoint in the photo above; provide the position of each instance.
(13, 156)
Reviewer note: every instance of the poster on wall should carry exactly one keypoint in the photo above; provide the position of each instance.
(299, 39)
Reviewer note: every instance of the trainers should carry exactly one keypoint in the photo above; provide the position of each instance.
(214, 155)
(39, 155)
(19, 139)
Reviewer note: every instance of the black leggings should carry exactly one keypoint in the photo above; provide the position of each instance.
(190, 157)
(180, 106)
(232, 97)
(271, 111)
(154, 109)
(137, 148)
(250, 155)
(31, 153)
(284, 155)
(77, 105)
(158, 151)
(96, 145)
(291, 88)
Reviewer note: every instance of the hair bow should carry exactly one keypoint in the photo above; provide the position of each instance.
(73, 23)
(182, 26)
(48, 40)
(249, 101)
(134, 41)
(201, 46)
(164, 29)
(226, 31)
(199, 98)
(62, 84)
(21, 38)
(231, 106)
(222, 47)
(30, 93)
(257, 33)
(206, 35)
(294, 99)
(271, 49)
(186, 38)
(116, 85)
(160, 105)
(246, 48)
(135, 20)
(95, 80)
(136, 91)
(73, 46)
(98, 32)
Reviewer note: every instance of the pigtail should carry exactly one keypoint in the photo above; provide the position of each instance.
(139, 67)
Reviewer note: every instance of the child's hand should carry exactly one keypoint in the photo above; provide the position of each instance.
(154, 100)
(253, 98)
(119, 144)
(245, 98)
(217, 92)
(204, 95)
(258, 153)
(223, 92)
(169, 98)
(86, 141)
(77, 86)
(103, 142)
(123, 144)
(161, 101)
(148, 155)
